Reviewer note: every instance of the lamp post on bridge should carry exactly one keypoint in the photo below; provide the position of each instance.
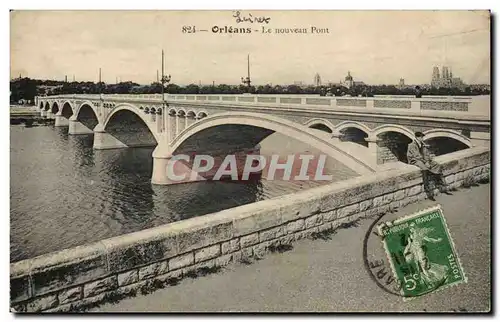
(246, 80)
(165, 79)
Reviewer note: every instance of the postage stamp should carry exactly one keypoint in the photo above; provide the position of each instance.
(421, 252)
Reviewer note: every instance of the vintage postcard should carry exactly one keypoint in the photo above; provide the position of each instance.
(242, 160)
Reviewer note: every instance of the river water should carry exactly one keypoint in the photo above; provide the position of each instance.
(65, 194)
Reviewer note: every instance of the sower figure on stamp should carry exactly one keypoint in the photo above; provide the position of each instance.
(419, 155)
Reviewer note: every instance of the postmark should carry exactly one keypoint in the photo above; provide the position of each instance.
(421, 252)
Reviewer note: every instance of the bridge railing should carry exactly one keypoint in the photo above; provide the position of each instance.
(447, 104)
(404, 103)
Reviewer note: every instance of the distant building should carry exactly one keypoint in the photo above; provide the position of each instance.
(298, 83)
(446, 80)
(349, 81)
(317, 80)
(401, 84)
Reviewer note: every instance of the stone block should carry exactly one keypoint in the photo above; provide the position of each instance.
(378, 201)
(394, 205)
(457, 184)
(459, 176)
(70, 295)
(412, 199)
(207, 253)
(415, 190)
(398, 195)
(153, 270)
(313, 221)
(421, 196)
(298, 207)
(70, 267)
(236, 257)
(348, 210)
(138, 249)
(324, 226)
(287, 239)
(18, 308)
(100, 286)
(42, 303)
(181, 261)
(204, 236)
(271, 233)
(260, 250)
(177, 274)
(307, 233)
(231, 246)
(249, 240)
(258, 220)
(330, 215)
(404, 202)
(295, 226)
(128, 277)
(388, 198)
(449, 179)
(20, 289)
(89, 301)
(365, 205)
(132, 288)
(246, 253)
(202, 265)
(223, 260)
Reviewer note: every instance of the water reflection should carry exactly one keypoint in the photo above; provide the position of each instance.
(65, 194)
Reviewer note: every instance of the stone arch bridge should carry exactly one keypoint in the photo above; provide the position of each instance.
(362, 133)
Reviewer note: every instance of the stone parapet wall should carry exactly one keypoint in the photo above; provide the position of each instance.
(444, 106)
(75, 278)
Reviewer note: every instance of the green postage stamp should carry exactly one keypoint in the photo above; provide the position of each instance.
(421, 252)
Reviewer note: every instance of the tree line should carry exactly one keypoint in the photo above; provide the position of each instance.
(27, 89)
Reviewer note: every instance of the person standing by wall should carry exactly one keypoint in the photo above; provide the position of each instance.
(419, 155)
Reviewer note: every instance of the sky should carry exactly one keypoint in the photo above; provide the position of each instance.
(377, 47)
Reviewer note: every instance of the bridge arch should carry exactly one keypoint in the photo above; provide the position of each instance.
(392, 141)
(47, 106)
(320, 124)
(201, 115)
(393, 128)
(86, 115)
(67, 110)
(41, 105)
(352, 124)
(245, 130)
(55, 108)
(431, 134)
(352, 131)
(443, 141)
(76, 110)
(133, 122)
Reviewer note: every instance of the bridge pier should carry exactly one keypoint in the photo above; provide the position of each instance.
(50, 115)
(61, 121)
(43, 113)
(76, 127)
(104, 140)
(161, 157)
